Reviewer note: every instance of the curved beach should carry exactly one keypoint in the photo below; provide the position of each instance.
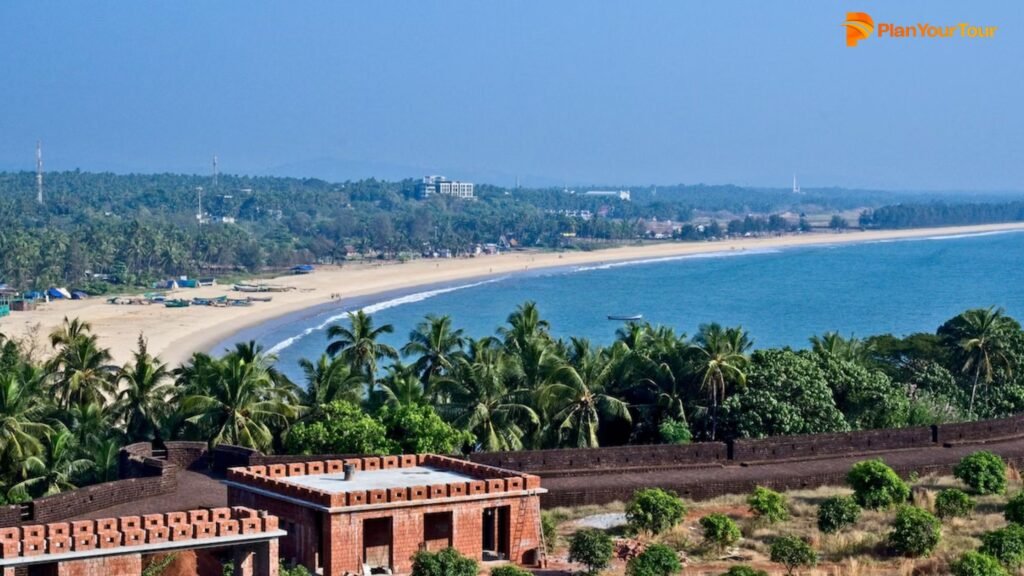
(175, 334)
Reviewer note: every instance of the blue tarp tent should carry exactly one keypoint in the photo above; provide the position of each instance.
(78, 295)
(55, 293)
(303, 269)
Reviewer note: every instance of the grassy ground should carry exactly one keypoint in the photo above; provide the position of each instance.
(857, 551)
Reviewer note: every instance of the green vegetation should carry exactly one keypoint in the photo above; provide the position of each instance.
(509, 570)
(768, 505)
(1014, 511)
(654, 510)
(793, 553)
(836, 513)
(720, 531)
(591, 548)
(447, 562)
(1006, 545)
(953, 503)
(656, 560)
(875, 485)
(61, 421)
(983, 471)
(744, 571)
(915, 532)
(977, 564)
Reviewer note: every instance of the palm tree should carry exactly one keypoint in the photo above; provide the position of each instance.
(144, 396)
(980, 335)
(105, 456)
(401, 387)
(330, 379)
(82, 370)
(832, 345)
(53, 471)
(723, 359)
(233, 401)
(69, 331)
(524, 324)
(21, 412)
(89, 422)
(574, 401)
(435, 344)
(358, 345)
(481, 402)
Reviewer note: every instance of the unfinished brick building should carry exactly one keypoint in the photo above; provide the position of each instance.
(116, 546)
(344, 516)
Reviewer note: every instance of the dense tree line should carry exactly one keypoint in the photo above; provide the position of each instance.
(141, 228)
(63, 419)
(942, 214)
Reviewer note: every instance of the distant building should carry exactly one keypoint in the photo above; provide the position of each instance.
(620, 194)
(431, 185)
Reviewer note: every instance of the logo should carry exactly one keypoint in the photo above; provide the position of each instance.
(859, 26)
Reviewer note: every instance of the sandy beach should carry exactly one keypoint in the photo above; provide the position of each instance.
(175, 334)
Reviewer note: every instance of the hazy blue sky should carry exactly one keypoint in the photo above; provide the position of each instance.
(578, 92)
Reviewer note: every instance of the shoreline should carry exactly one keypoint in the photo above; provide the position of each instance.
(174, 334)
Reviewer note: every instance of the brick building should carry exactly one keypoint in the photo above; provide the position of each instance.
(343, 516)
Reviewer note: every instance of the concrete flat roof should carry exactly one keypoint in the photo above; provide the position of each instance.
(378, 479)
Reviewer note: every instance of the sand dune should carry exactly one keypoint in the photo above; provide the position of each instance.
(175, 334)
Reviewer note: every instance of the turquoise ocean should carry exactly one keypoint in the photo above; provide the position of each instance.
(781, 297)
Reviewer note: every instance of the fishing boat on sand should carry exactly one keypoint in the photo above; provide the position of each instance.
(177, 303)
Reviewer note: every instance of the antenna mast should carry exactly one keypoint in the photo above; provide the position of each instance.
(215, 171)
(199, 215)
(39, 171)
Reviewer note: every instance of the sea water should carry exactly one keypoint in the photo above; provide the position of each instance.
(782, 297)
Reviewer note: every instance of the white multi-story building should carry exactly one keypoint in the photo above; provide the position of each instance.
(431, 185)
(620, 194)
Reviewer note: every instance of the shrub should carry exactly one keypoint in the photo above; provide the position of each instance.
(550, 529)
(1005, 544)
(656, 560)
(297, 570)
(983, 471)
(509, 570)
(592, 548)
(836, 513)
(915, 532)
(744, 571)
(875, 485)
(953, 503)
(977, 564)
(654, 510)
(768, 505)
(719, 530)
(793, 552)
(674, 432)
(1014, 511)
(447, 562)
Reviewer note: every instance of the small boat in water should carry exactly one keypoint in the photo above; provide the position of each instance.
(626, 317)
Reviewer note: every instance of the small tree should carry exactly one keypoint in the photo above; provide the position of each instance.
(720, 531)
(1014, 511)
(953, 503)
(550, 529)
(509, 570)
(768, 505)
(977, 564)
(592, 548)
(744, 571)
(875, 485)
(836, 513)
(674, 432)
(983, 471)
(1006, 545)
(656, 560)
(792, 552)
(654, 510)
(915, 532)
(447, 562)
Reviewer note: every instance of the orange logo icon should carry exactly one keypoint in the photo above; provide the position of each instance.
(859, 26)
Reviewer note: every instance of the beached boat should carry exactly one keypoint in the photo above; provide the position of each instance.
(626, 317)
(247, 288)
(260, 298)
(177, 303)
